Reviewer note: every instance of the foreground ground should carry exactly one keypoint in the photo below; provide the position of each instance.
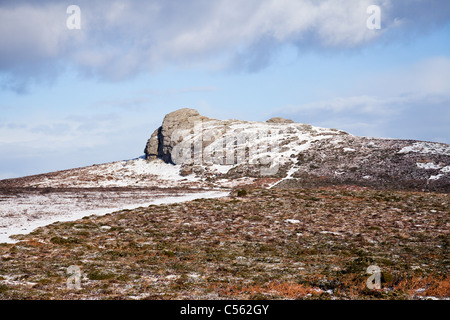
(255, 244)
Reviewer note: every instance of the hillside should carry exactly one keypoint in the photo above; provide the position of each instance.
(193, 151)
(298, 154)
(265, 244)
(234, 210)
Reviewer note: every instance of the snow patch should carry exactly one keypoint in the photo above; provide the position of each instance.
(35, 211)
(428, 166)
(127, 173)
(231, 183)
(445, 169)
(436, 177)
(427, 147)
(330, 232)
(223, 169)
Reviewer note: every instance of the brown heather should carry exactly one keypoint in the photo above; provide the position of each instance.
(265, 244)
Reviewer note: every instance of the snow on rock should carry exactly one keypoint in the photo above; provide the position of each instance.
(220, 146)
(295, 154)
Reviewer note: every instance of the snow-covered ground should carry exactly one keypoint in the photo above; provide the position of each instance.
(22, 213)
(427, 147)
(100, 189)
(128, 173)
(218, 147)
(135, 173)
(428, 166)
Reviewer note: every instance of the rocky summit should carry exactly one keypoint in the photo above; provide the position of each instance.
(296, 154)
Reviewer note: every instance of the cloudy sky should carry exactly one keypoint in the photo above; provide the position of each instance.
(75, 97)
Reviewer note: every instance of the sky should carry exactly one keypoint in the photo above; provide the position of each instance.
(87, 86)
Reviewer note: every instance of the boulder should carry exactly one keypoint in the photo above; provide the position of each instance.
(175, 125)
(151, 148)
(279, 120)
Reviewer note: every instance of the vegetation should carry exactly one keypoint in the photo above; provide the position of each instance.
(265, 244)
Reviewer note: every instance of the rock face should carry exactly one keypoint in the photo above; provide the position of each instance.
(299, 155)
(162, 140)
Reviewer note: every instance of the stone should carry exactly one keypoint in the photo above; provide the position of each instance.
(279, 120)
(301, 154)
(151, 148)
(174, 126)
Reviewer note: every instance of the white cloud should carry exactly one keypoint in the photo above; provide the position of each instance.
(430, 77)
(119, 39)
(369, 105)
(25, 27)
(427, 81)
(133, 104)
(73, 132)
(410, 102)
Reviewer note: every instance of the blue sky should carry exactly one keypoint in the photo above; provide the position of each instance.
(71, 98)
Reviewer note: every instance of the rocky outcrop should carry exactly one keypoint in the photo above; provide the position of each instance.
(163, 139)
(299, 155)
(151, 148)
(279, 120)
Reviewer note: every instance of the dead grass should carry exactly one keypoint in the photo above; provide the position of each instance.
(273, 289)
(425, 286)
(268, 244)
